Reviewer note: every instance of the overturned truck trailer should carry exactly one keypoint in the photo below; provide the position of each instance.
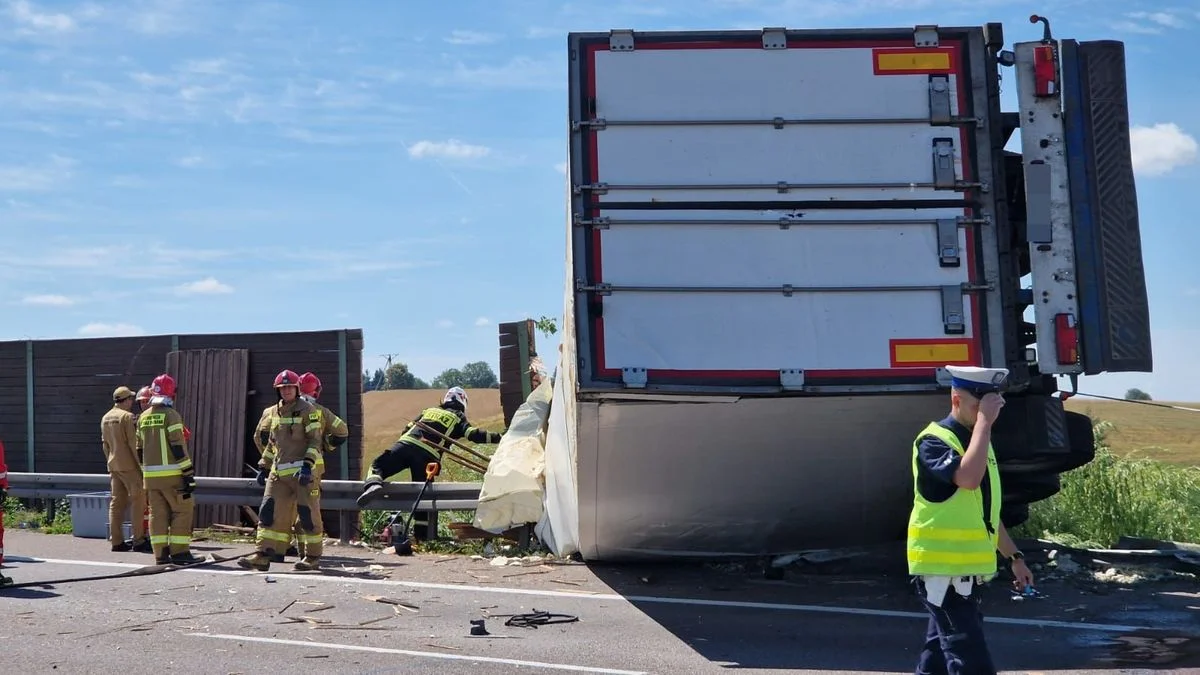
(779, 238)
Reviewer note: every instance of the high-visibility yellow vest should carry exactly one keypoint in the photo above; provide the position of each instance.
(950, 538)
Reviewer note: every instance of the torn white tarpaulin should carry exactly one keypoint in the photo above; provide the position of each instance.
(512, 487)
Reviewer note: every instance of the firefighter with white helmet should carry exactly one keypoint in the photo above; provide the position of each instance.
(415, 448)
(293, 449)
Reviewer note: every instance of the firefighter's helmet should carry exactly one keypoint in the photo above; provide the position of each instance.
(310, 385)
(144, 394)
(456, 394)
(287, 378)
(163, 385)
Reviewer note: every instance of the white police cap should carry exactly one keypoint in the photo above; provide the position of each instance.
(977, 380)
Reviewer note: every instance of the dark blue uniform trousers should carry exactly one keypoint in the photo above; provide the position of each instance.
(954, 641)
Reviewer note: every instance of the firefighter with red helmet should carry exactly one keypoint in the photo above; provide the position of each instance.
(293, 446)
(334, 433)
(168, 474)
(4, 581)
(262, 440)
(143, 400)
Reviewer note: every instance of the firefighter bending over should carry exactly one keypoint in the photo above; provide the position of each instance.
(168, 475)
(289, 455)
(415, 448)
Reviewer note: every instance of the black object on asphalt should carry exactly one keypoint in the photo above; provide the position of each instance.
(536, 618)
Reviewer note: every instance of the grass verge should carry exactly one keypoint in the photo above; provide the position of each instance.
(1118, 495)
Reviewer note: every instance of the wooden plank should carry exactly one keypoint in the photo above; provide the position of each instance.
(212, 387)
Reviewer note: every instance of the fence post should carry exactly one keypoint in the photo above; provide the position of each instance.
(345, 518)
(29, 447)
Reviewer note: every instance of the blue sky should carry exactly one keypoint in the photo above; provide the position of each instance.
(217, 166)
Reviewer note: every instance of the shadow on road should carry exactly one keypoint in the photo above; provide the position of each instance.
(741, 637)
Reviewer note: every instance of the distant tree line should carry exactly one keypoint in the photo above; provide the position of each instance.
(475, 375)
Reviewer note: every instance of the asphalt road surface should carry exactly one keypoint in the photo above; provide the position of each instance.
(345, 619)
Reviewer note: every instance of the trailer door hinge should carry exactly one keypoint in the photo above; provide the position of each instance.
(791, 379)
(943, 164)
(926, 35)
(953, 320)
(620, 40)
(948, 248)
(774, 38)
(634, 378)
(595, 188)
(939, 99)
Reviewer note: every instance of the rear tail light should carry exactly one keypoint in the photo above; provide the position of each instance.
(1045, 71)
(1066, 339)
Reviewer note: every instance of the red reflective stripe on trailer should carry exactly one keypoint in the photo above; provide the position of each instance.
(602, 370)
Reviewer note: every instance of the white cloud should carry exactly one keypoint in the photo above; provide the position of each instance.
(48, 300)
(31, 20)
(208, 286)
(451, 149)
(1157, 150)
(520, 72)
(1166, 19)
(190, 161)
(470, 37)
(110, 330)
(36, 178)
(561, 167)
(482, 321)
(445, 323)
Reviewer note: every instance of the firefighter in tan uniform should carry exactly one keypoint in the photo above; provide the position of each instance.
(334, 433)
(169, 476)
(262, 439)
(118, 437)
(290, 454)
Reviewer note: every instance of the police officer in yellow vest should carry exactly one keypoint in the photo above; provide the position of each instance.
(954, 530)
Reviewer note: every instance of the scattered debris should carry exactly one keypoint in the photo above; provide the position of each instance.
(431, 644)
(538, 618)
(478, 627)
(392, 601)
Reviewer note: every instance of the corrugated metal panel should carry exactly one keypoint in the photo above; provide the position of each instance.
(212, 400)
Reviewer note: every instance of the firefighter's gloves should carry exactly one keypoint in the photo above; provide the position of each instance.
(305, 474)
(189, 485)
(261, 476)
(3, 496)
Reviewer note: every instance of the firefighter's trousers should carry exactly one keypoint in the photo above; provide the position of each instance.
(285, 501)
(311, 545)
(171, 516)
(127, 493)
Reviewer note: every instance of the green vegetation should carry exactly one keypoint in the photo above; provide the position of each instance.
(474, 375)
(1120, 495)
(17, 517)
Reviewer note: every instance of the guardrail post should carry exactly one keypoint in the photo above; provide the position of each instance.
(29, 447)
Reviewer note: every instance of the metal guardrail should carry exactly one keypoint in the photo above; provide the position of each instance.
(336, 495)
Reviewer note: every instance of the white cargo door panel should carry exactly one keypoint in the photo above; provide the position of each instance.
(751, 211)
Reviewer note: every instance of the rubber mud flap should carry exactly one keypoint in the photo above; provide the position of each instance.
(1029, 488)
(1013, 515)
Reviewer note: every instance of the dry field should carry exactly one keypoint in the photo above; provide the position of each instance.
(385, 413)
(1161, 433)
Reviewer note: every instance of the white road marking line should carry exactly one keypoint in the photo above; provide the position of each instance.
(632, 599)
(411, 652)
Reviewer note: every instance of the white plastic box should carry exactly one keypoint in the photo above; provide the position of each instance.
(89, 514)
